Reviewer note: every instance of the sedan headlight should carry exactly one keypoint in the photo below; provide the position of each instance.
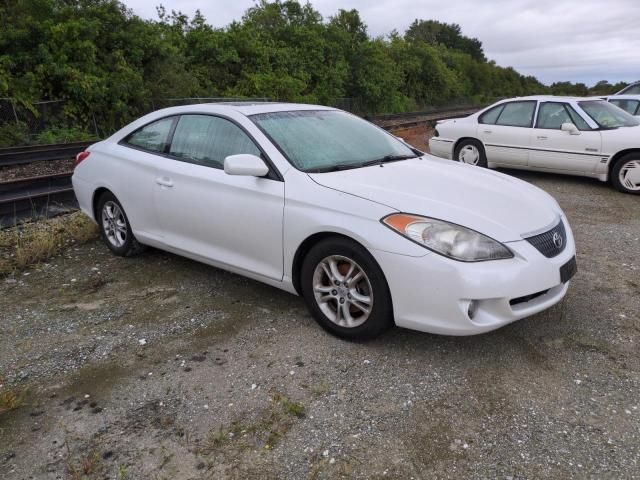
(448, 239)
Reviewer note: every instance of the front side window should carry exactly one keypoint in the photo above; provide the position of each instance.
(630, 106)
(209, 140)
(552, 115)
(606, 115)
(152, 137)
(325, 140)
(517, 114)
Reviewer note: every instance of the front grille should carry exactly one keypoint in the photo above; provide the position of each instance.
(550, 243)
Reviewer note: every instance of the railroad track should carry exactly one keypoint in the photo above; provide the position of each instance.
(38, 153)
(406, 120)
(35, 196)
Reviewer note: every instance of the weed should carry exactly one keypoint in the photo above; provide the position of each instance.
(11, 398)
(123, 473)
(31, 243)
(85, 466)
(289, 406)
(265, 432)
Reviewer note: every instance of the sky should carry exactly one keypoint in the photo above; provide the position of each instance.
(553, 40)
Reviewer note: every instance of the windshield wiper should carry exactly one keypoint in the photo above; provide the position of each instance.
(335, 168)
(387, 158)
(349, 166)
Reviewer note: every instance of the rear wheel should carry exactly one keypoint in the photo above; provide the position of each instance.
(472, 152)
(345, 289)
(625, 174)
(115, 228)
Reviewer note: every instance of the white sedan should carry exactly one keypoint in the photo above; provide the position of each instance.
(628, 103)
(575, 136)
(321, 203)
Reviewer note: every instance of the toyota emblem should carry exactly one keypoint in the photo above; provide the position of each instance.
(557, 240)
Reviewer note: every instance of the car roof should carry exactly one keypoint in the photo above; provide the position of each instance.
(557, 98)
(245, 108)
(632, 84)
(625, 96)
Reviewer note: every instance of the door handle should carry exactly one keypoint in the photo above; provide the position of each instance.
(164, 182)
(487, 131)
(542, 137)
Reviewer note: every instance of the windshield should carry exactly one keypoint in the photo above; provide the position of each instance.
(326, 140)
(607, 115)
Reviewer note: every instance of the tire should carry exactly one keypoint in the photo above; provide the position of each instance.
(625, 174)
(473, 151)
(369, 291)
(115, 228)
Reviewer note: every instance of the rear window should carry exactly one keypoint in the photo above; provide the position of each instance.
(152, 137)
(517, 114)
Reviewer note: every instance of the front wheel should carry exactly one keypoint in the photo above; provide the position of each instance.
(472, 152)
(345, 289)
(625, 175)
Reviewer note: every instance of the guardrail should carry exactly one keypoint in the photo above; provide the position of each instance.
(36, 153)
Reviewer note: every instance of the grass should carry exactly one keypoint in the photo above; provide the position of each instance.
(265, 432)
(11, 398)
(31, 243)
(84, 467)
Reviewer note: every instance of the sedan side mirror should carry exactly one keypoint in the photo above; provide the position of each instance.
(571, 128)
(245, 164)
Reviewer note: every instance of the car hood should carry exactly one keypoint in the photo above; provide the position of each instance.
(619, 138)
(491, 203)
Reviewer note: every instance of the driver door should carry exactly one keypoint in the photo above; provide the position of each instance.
(232, 220)
(555, 149)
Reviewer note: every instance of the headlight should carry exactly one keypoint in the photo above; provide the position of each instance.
(448, 239)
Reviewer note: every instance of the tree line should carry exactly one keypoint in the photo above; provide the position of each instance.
(110, 66)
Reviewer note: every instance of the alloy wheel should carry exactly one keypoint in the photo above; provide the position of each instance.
(342, 291)
(114, 224)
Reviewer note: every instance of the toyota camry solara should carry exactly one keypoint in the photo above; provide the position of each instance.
(321, 203)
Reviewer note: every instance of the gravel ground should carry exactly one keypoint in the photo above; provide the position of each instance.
(35, 169)
(158, 367)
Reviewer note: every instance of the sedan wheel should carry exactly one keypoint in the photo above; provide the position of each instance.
(345, 289)
(630, 175)
(471, 152)
(625, 174)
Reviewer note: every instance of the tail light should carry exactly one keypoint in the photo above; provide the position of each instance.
(80, 157)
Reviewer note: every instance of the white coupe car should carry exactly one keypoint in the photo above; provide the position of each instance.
(321, 203)
(575, 136)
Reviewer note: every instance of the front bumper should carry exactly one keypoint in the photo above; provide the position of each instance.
(441, 147)
(433, 293)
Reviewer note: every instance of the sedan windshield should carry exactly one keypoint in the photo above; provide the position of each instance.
(328, 140)
(607, 115)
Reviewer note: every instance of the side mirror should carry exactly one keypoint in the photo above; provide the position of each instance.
(571, 128)
(245, 164)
